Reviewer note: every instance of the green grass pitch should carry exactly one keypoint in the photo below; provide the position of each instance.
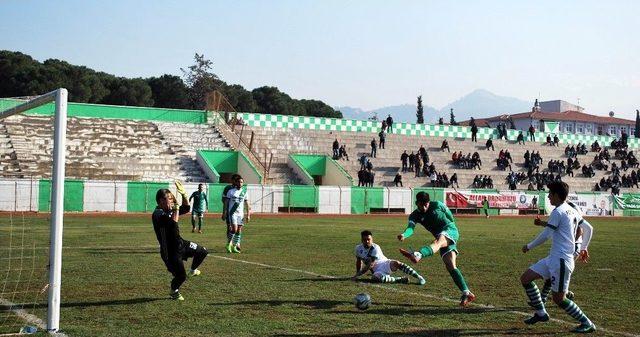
(289, 279)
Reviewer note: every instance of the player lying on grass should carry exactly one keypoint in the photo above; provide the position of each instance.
(369, 256)
(437, 219)
(583, 238)
(173, 249)
(561, 227)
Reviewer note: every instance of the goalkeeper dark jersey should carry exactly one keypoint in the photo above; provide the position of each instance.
(168, 233)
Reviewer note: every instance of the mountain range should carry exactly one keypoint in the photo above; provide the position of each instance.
(479, 103)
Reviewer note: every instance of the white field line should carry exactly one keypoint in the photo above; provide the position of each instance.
(381, 286)
(27, 317)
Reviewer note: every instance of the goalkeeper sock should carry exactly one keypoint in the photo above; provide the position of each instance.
(458, 279)
(408, 270)
(574, 311)
(389, 279)
(534, 298)
(426, 251)
(546, 289)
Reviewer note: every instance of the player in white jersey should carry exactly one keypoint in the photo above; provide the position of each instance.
(562, 228)
(369, 256)
(583, 238)
(237, 201)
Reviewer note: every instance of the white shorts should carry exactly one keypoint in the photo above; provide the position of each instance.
(555, 269)
(381, 268)
(236, 219)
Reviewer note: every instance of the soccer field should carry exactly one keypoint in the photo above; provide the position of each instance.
(292, 278)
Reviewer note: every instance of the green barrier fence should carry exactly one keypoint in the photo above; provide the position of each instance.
(73, 196)
(364, 199)
(141, 196)
(300, 196)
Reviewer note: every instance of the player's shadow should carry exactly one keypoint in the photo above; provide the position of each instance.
(312, 304)
(320, 279)
(95, 304)
(120, 251)
(403, 309)
(436, 333)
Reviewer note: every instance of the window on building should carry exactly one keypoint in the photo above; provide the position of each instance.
(568, 128)
(623, 129)
(612, 130)
(580, 128)
(632, 132)
(589, 129)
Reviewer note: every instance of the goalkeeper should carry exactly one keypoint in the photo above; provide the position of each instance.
(173, 249)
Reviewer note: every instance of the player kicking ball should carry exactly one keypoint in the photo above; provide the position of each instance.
(436, 217)
(561, 227)
(369, 256)
(173, 249)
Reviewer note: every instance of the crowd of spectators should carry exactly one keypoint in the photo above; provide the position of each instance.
(470, 161)
(482, 181)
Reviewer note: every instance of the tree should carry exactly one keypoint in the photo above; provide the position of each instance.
(241, 99)
(452, 118)
(637, 131)
(123, 91)
(169, 91)
(200, 81)
(420, 111)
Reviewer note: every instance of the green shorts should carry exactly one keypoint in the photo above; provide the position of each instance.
(452, 235)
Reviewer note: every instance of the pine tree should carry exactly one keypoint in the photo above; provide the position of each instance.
(420, 112)
(452, 118)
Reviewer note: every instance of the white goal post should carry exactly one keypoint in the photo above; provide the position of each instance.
(57, 194)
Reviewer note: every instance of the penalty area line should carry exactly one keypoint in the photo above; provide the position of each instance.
(27, 317)
(442, 298)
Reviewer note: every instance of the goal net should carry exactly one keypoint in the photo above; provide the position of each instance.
(31, 214)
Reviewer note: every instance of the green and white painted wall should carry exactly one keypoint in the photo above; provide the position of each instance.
(139, 197)
(408, 129)
(308, 166)
(216, 162)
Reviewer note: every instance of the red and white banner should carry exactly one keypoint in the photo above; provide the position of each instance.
(505, 199)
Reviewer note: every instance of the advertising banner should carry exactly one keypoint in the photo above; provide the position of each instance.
(504, 199)
(591, 204)
(628, 201)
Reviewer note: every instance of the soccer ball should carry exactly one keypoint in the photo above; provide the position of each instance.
(362, 301)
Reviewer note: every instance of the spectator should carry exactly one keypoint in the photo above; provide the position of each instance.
(383, 137)
(363, 161)
(412, 159)
(520, 138)
(389, 124)
(474, 131)
(374, 147)
(384, 125)
(445, 145)
(371, 176)
(369, 165)
(556, 141)
(398, 179)
(549, 141)
(423, 153)
(433, 178)
(570, 171)
(531, 187)
(342, 152)
(489, 144)
(440, 121)
(534, 202)
(336, 147)
(404, 158)
(362, 177)
(595, 147)
(454, 179)
(417, 165)
(532, 133)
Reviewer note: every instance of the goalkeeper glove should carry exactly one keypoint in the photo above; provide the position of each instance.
(181, 189)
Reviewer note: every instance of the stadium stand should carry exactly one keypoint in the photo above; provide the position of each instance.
(282, 141)
(107, 149)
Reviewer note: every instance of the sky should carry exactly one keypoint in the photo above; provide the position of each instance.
(365, 54)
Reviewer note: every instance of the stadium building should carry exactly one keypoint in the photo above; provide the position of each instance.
(571, 118)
